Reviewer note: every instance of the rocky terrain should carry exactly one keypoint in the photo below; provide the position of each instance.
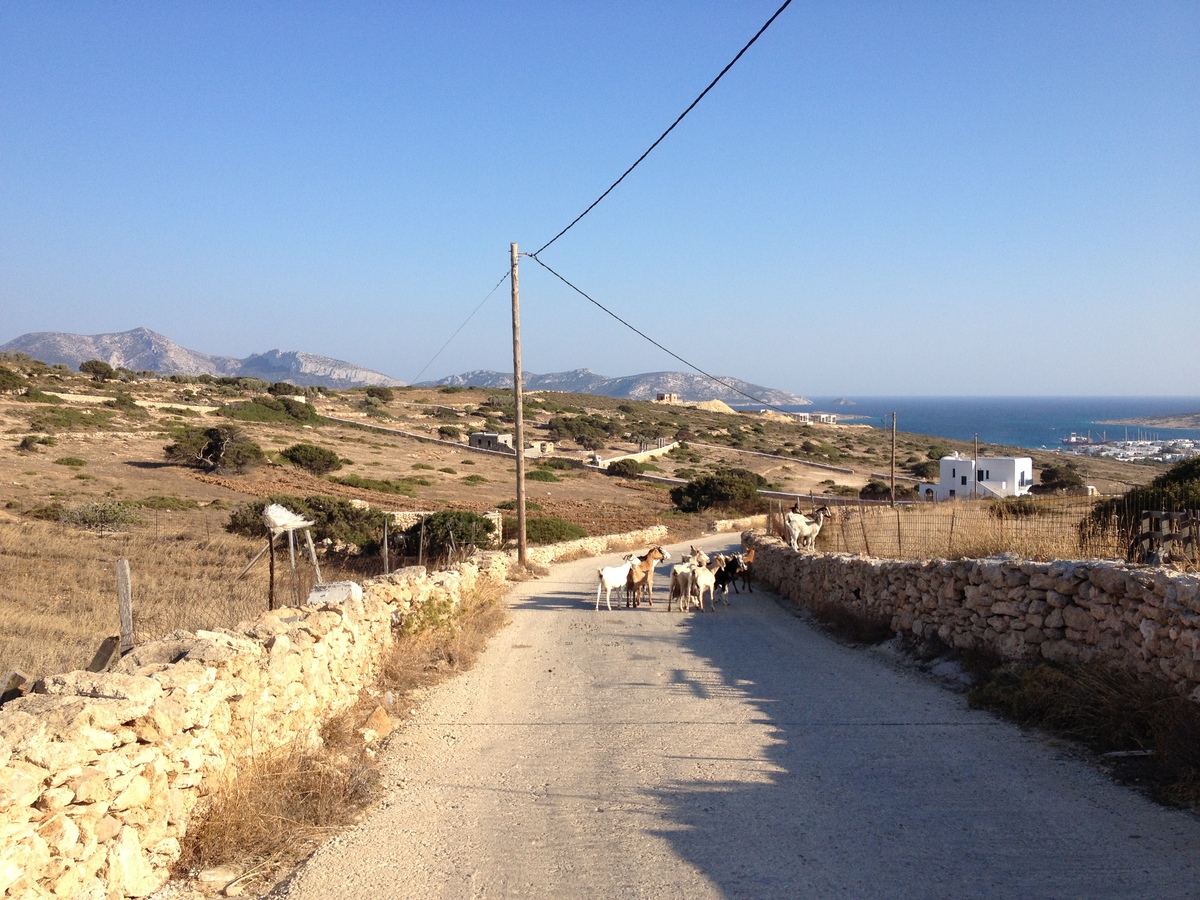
(142, 350)
(688, 387)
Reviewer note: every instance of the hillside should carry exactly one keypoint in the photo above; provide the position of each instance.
(143, 350)
(688, 387)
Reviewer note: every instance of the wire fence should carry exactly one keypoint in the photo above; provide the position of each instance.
(1029, 527)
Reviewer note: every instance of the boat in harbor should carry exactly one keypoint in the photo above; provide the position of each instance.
(1079, 440)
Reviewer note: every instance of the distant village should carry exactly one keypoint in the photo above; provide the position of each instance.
(1155, 450)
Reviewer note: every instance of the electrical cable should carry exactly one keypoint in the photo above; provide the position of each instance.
(461, 327)
(647, 337)
(691, 106)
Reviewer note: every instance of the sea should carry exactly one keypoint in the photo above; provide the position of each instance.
(1031, 423)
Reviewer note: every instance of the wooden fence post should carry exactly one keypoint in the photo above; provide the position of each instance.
(125, 605)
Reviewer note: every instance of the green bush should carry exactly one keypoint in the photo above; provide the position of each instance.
(405, 487)
(732, 488)
(477, 479)
(1056, 477)
(10, 380)
(530, 505)
(270, 409)
(224, 448)
(332, 518)
(451, 528)
(49, 418)
(98, 369)
(449, 432)
(311, 458)
(1175, 490)
(73, 461)
(540, 475)
(625, 468)
(381, 393)
(544, 530)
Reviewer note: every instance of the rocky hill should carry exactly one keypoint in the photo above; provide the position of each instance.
(144, 350)
(688, 387)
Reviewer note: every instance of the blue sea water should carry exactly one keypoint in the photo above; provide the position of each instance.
(1027, 422)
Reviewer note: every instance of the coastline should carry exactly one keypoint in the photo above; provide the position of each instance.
(1185, 421)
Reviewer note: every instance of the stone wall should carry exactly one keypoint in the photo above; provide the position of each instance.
(99, 772)
(596, 546)
(1143, 619)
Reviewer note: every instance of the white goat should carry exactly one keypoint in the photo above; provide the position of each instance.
(612, 578)
(803, 530)
(681, 578)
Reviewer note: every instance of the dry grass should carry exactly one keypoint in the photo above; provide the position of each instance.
(1152, 732)
(58, 595)
(965, 530)
(281, 806)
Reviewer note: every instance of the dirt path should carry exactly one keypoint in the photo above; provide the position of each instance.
(645, 754)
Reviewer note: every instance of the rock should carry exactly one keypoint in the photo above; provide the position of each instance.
(378, 726)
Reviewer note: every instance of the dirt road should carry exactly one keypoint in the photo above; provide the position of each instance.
(738, 754)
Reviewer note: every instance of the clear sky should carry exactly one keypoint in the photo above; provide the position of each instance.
(880, 198)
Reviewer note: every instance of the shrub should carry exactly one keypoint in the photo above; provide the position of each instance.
(224, 448)
(48, 418)
(270, 409)
(477, 479)
(540, 475)
(405, 487)
(1176, 489)
(98, 369)
(1057, 477)
(625, 468)
(530, 505)
(555, 462)
(126, 404)
(544, 530)
(101, 516)
(381, 393)
(10, 380)
(732, 488)
(333, 518)
(451, 529)
(166, 503)
(875, 490)
(30, 443)
(449, 432)
(73, 461)
(311, 458)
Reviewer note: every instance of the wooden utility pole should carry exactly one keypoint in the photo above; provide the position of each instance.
(893, 460)
(519, 435)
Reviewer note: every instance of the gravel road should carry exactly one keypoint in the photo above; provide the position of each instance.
(738, 754)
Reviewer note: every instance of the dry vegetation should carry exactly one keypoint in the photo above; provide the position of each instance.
(281, 806)
(1047, 528)
(102, 448)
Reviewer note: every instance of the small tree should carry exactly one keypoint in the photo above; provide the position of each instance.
(311, 458)
(381, 393)
(625, 468)
(98, 369)
(451, 529)
(1057, 477)
(732, 488)
(224, 448)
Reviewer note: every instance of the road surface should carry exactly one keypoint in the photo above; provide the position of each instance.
(641, 754)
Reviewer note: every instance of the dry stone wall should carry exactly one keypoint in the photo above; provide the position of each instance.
(100, 772)
(1143, 619)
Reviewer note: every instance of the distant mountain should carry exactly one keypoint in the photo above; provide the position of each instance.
(688, 387)
(142, 349)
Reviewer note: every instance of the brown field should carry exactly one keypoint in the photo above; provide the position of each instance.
(57, 581)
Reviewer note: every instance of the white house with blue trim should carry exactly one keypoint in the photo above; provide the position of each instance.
(965, 478)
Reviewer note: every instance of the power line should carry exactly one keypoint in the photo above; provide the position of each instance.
(647, 337)
(691, 106)
(460, 328)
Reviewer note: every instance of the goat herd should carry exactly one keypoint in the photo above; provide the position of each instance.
(691, 579)
(699, 574)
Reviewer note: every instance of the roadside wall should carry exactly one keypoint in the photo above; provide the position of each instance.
(99, 773)
(1144, 619)
(596, 546)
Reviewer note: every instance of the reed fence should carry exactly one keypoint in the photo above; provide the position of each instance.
(1029, 527)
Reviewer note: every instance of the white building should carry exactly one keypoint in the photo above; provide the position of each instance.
(995, 476)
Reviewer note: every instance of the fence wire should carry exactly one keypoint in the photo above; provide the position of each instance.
(1029, 527)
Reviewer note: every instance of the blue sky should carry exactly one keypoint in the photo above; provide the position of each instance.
(880, 198)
